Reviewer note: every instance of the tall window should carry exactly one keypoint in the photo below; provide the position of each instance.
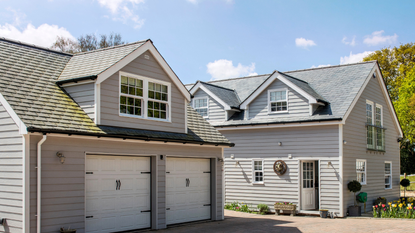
(258, 171)
(361, 170)
(388, 175)
(379, 130)
(369, 123)
(201, 106)
(277, 101)
(143, 97)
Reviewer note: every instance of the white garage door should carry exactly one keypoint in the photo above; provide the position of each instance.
(117, 193)
(188, 190)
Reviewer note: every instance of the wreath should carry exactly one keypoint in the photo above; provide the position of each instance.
(280, 167)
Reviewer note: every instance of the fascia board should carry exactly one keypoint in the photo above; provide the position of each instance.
(200, 86)
(22, 127)
(148, 46)
(269, 81)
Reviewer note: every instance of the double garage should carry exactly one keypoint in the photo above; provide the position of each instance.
(119, 192)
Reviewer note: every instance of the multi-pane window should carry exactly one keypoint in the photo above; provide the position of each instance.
(379, 131)
(278, 101)
(308, 174)
(131, 96)
(361, 170)
(388, 175)
(201, 106)
(258, 171)
(369, 123)
(135, 102)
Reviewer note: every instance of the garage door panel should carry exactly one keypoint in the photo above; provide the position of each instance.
(188, 189)
(117, 210)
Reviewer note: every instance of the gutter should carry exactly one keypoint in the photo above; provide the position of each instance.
(144, 138)
(39, 180)
(75, 80)
(277, 123)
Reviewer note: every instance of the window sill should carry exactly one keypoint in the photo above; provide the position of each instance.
(271, 113)
(254, 183)
(374, 150)
(388, 188)
(363, 183)
(142, 118)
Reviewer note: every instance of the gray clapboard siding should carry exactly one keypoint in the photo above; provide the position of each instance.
(354, 132)
(63, 185)
(303, 143)
(297, 104)
(84, 96)
(11, 173)
(151, 69)
(216, 110)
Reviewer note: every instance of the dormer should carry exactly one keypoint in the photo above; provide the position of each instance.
(128, 86)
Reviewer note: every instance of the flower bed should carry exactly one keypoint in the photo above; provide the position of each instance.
(285, 206)
(395, 209)
(236, 206)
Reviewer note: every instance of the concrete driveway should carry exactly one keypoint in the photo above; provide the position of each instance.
(243, 222)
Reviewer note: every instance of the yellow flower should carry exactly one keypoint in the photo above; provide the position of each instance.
(408, 207)
(400, 205)
(394, 205)
(390, 203)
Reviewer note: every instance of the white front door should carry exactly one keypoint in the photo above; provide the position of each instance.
(188, 190)
(307, 187)
(117, 193)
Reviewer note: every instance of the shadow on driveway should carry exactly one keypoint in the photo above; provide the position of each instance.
(252, 224)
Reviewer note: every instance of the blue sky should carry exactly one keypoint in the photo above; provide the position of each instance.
(215, 39)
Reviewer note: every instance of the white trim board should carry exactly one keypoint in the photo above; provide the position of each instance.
(269, 81)
(199, 85)
(148, 46)
(22, 127)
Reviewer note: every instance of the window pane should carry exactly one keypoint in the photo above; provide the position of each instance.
(163, 106)
(150, 113)
(387, 168)
(151, 86)
(123, 100)
(283, 95)
(123, 109)
(156, 114)
(158, 96)
(137, 102)
(150, 104)
(273, 107)
(130, 110)
(137, 111)
(124, 89)
(130, 101)
(139, 83)
(163, 115)
(156, 105)
(139, 92)
(369, 119)
(131, 81)
(124, 80)
(164, 89)
(151, 94)
(164, 97)
(158, 87)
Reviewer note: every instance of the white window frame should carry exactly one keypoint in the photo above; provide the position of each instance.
(365, 172)
(145, 99)
(390, 175)
(207, 107)
(253, 171)
(381, 114)
(381, 125)
(372, 123)
(269, 100)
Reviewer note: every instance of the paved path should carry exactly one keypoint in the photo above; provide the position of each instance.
(252, 223)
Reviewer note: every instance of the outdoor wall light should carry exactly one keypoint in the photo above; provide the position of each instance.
(344, 142)
(2, 221)
(329, 164)
(290, 156)
(237, 163)
(232, 156)
(279, 143)
(220, 160)
(61, 157)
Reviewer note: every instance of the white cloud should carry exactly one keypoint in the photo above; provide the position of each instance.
(122, 10)
(44, 35)
(304, 43)
(224, 69)
(353, 58)
(351, 43)
(320, 66)
(376, 38)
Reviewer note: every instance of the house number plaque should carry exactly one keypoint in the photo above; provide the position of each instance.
(280, 167)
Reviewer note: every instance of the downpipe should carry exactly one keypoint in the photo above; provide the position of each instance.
(39, 182)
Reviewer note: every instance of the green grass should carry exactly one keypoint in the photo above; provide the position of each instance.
(412, 186)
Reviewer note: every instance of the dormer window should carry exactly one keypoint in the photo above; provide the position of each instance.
(277, 101)
(134, 103)
(201, 105)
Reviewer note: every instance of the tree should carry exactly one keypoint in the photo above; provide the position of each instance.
(86, 43)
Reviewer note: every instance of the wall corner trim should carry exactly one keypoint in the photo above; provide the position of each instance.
(22, 127)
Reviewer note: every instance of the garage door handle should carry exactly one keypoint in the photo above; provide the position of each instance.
(119, 188)
(118, 183)
(89, 216)
(167, 208)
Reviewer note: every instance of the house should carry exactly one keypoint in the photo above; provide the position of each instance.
(102, 141)
(302, 135)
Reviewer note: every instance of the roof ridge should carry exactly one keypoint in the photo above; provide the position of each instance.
(34, 46)
(218, 86)
(292, 77)
(112, 47)
(221, 80)
(328, 67)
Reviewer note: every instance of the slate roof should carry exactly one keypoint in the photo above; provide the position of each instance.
(97, 61)
(335, 85)
(227, 95)
(28, 78)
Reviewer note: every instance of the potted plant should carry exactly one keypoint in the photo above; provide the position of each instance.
(405, 183)
(285, 206)
(69, 230)
(324, 213)
(354, 186)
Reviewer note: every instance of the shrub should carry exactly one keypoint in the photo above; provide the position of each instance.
(405, 183)
(262, 208)
(354, 186)
(236, 206)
